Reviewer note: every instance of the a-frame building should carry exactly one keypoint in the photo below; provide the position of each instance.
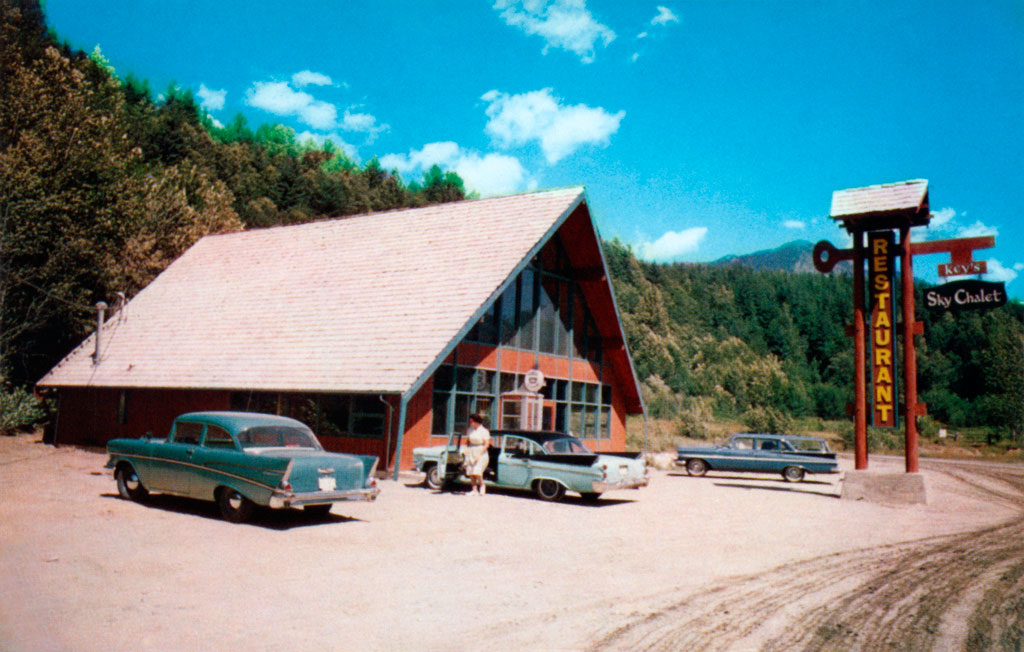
(381, 331)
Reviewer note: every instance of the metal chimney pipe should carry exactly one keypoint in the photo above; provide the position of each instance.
(101, 308)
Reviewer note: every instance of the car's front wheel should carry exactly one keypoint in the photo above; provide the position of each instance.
(696, 467)
(549, 490)
(433, 477)
(234, 507)
(129, 485)
(793, 474)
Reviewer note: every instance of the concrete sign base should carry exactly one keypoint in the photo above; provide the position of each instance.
(892, 488)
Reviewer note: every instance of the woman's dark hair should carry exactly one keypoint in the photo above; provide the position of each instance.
(476, 417)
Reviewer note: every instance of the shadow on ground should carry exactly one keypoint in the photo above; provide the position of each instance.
(568, 499)
(271, 519)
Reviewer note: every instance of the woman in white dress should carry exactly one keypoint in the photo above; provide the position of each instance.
(475, 454)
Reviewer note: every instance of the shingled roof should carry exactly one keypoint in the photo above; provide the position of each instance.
(361, 304)
(878, 206)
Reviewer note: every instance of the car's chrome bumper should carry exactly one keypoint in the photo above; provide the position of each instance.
(625, 483)
(280, 499)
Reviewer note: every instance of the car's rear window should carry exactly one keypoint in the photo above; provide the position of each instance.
(809, 444)
(273, 436)
(566, 445)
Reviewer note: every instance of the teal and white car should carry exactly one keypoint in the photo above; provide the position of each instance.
(547, 463)
(240, 460)
(790, 455)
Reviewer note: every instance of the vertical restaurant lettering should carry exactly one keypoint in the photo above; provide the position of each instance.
(881, 256)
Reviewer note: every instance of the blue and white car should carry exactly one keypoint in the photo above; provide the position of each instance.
(547, 463)
(792, 456)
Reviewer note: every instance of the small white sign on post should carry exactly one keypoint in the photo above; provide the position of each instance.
(534, 380)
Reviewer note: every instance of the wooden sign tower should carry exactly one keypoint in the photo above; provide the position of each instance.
(879, 211)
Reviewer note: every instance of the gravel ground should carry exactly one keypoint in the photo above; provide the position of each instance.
(722, 562)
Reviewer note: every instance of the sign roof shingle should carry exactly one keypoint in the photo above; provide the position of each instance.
(906, 198)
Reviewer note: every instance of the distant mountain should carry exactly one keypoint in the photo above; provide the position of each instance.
(793, 256)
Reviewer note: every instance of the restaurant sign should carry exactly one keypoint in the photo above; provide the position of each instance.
(881, 258)
(965, 295)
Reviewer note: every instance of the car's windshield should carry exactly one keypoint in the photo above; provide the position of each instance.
(565, 446)
(269, 436)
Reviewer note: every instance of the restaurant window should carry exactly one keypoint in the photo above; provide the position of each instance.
(507, 321)
(265, 402)
(458, 393)
(527, 307)
(486, 330)
(334, 415)
(368, 415)
(122, 408)
(547, 316)
(589, 409)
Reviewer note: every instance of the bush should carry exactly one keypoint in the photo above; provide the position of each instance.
(769, 420)
(928, 428)
(829, 401)
(879, 439)
(19, 409)
(693, 421)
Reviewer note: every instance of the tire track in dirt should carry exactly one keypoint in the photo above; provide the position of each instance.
(890, 597)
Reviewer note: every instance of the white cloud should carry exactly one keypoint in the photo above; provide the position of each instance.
(277, 97)
(210, 99)
(310, 78)
(975, 230)
(441, 153)
(492, 174)
(795, 224)
(539, 116)
(363, 123)
(945, 223)
(641, 35)
(1018, 266)
(564, 24)
(281, 99)
(664, 17)
(319, 115)
(997, 272)
(672, 244)
(941, 218)
(487, 175)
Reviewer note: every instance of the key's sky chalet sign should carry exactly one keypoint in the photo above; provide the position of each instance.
(881, 250)
(965, 295)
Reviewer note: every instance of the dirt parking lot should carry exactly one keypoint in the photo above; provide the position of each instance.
(726, 562)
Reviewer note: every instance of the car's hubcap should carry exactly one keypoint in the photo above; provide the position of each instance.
(131, 481)
(235, 500)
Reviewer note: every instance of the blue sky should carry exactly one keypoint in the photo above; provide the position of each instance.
(699, 128)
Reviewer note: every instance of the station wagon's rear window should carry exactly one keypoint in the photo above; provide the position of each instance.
(809, 444)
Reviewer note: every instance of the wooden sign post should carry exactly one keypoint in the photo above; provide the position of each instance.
(879, 211)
